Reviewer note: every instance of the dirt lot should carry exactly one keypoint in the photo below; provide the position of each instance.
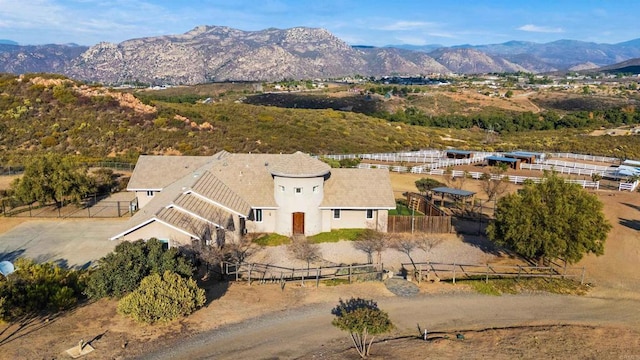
(613, 275)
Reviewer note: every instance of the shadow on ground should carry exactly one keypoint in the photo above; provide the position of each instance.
(631, 224)
(11, 255)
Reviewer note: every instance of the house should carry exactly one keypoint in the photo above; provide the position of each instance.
(224, 196)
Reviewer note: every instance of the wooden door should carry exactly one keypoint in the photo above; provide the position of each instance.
(298, 223)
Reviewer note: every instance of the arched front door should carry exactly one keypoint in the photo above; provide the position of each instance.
(298, 223)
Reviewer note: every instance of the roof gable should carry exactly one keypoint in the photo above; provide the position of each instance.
(358, 188)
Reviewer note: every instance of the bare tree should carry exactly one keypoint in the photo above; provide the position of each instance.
(371, 241)
(427, 244)
(211, 256)
(406, 244)
(239, 251)
(302, 249)
(455, 182)
(494, 188)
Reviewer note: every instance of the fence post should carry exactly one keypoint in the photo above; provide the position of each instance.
(454, 273)
(419, 273)
(318, 278)
(237, 269)
(119, 209)
(250, 269)
(519, 269)
(349, 274)
(486, 278)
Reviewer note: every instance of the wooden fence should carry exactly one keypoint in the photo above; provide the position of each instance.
(266, 273)
(425, 224)
(453, 271)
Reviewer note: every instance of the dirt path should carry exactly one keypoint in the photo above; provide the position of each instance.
(295, 333)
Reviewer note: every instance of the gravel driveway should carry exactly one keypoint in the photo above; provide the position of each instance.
(293, 333)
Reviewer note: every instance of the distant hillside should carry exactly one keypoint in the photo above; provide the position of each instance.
(470, 61)
(40, 114)
(626, 67)
(216, 53)
(561, 54)
(7, 42)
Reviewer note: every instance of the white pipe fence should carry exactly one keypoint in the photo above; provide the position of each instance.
(585, 157)
(521, 179)
(561, 169)
(628, 186)
(576, 165)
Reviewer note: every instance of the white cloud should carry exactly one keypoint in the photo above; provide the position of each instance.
(540, 29)
(407, 25)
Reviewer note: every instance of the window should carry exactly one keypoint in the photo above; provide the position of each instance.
(297, 190)
(316, 189)
(369, 214)
(149, 193)
(257, 215)
(336, 213)
(281, 188)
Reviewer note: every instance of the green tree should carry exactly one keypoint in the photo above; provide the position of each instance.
(34, 288)
(363, 320)
(508, 94)
(52, 177)
(426, 184)
(121, 271)
(331, 162)
(162, 298)
(550, 219)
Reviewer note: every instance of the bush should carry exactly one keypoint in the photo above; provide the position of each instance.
(38, 287)
(162, 299)
(121, 271)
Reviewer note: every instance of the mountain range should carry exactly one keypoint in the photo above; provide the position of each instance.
(216, 53)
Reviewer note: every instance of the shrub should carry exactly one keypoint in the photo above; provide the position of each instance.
(121, 271)
(162, 299)
(363, 320)
(38, 287)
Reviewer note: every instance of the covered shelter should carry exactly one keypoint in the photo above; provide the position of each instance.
(537, 156)
(459, 154)
(458, 195)
(513, 163)
(528, 158)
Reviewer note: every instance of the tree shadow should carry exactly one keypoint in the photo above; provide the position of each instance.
(11, 255)
(633, 206)
(25, 325)
(484, 244)
(214, 289)
(631, 224)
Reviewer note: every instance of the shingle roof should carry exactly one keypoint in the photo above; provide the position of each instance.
(358, 188)
(203, 209)
(298, 165)
(183, 221)
(211, 187)
(240, 182)
(156, 172)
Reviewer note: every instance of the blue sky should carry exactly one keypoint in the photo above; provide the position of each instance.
(372, 22)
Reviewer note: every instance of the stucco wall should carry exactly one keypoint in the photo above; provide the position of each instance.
(159, 231)
(143, 199)
(357, 219)
(268, 224)
(306, 202)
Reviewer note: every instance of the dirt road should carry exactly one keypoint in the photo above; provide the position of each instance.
(294, 333)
